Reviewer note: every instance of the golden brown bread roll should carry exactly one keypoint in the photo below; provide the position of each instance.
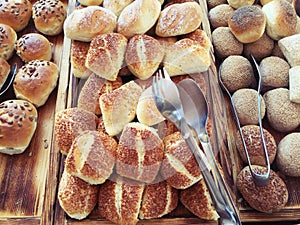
(69, 123)
(143, 55)
(35, 81)
(106, 54)
(116, 6)
(18, 121)
(33, 46)
(49, 16)
(140, 153)
(8, 39)
(15, 13)
(76, 197)
(120, 199)
(85, 23)
(178, 19)
(4, 71)
(201, 37)
(90, 2)
(92, 157)
(138, 17)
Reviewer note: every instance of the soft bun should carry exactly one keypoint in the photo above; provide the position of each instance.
(15, 13)
(4, 71)
(18, 122)
(8, 39)
(49, 16)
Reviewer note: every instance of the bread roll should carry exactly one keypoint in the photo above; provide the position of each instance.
(290, 47)
(15, 13)
(143, 56)
(140, 153)
(118, 107)
(69, 123)
(219, 15)
(247, 23)
(138, 17)
(90, 2)
(33, 46)
(8, 39)
(18, 123)
(76, 197)
(281, 19)
(116, 6)
(200, 37)
(85, 23)
(269, 198)
(239, 3)
(35, 81)
(294, 84)
(4, 71)
(92, 157)
(178, 19)
(120, 199)
(179, 168)
(49, 16)
(106, 54)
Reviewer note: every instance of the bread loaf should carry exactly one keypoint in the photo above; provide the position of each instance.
(8, 39)
(294, 84)
(290, 47)
(4, 71)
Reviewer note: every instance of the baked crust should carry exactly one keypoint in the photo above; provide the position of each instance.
(8, 38)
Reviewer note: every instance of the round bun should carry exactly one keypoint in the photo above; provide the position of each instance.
(18, 122)
(35, 81)
(8, 39)
(269, 198)
(251, 134)
(213, 3)
(90, 2)
(239, 3)
(219, 15)
(281, 19)
(49, 16)
(15, 13)
(116, 6)
(247, 23)
(4, 71)
(33, 46)
(287, 159)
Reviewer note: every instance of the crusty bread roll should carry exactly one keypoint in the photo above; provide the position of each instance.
(197, 199)
(118, 107)
(179, 168)
(15, 13)
(116, 6)
(138, 17)
(239, 3)
(120, 199)
(92, 157)
(90, 2)
(294, 84)
(201, 37)
(76, 197)
(290, 48)
(269, 198)
(178, 19)
(281, 19)
(247, 23)
(49, 16)
(106, 54)
(18, 123)
(8, 39)
(85, 23)
(33, 46)
(35, 81)
(143, 55)
(140, 153)
(4, 71)
(91, 91)
(172, 2)
(71, 122)
(219, 15)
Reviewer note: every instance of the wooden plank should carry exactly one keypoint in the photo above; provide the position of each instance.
(23, 221)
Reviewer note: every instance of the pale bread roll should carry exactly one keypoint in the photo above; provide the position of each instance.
(85, 23)
(8, 39)
(4, 71)
(138, 17)
(178, 19)
(294, 84)
(106, 54)
(90, 2)
(116, 6)
(290, 47)
(239, 3)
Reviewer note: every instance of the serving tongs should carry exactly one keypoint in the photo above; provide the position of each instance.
(259, 179)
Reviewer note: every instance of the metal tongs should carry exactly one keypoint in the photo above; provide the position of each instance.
(259, 179)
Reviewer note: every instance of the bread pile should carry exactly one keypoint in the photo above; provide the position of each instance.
(267, 30)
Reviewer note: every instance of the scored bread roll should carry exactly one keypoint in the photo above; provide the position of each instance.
(76, 197)
(85, 23)
(106, 54)
(4, 71)
(15, 13)
(90, 2)
(18, 121)
(35, 81)
(49, 16)
(178, 19)
(8, 39)
(116, 6)
(138, 17)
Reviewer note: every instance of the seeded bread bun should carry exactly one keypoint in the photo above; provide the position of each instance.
(4, 71)
(33, 46)
(15, 13)
(219, 15)
(49, 16)
(8, 38)
(35, 81)
(90, 2)
(269, 198)
(18, 121)
(116, 6)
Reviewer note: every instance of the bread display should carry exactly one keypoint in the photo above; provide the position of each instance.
(8, 39)
(35, 81)
(4, 71)
(116, 6)
(290, 47)
(294, 82)
(18, 122)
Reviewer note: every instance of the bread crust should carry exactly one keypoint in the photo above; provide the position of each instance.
(4, 71)
(8, 39)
